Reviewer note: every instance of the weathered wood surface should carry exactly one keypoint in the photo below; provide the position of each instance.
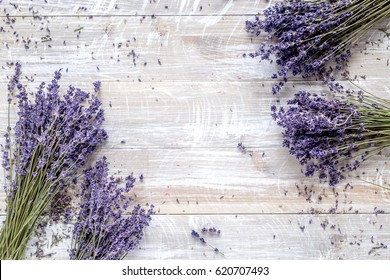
(138, 7)
(183, 45)
(179, 122)
(255, 237)
(201, 181)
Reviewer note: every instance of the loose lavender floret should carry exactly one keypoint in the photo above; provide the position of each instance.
(333, 137)
(308, 37)
(102, 230)
(97, 85)
(241, 147)
(211, 230)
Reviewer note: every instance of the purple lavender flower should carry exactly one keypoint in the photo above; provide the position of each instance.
(97, 85)
(332, 137)
(54, 136)
(59, 132)
(211, 230)
(306, 36)
(202, 240)
(195, 234)
(102, 230)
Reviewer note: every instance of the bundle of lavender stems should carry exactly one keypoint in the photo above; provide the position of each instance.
(333, 136)
(55, 135)
(314, 37)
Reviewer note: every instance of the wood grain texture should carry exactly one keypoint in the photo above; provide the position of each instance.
(190, 114)
(195, 181)
(254, 237)
(178, 122)
(103, 50)
(138, 7)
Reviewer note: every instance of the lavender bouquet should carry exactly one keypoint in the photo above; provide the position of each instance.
(52, 138)
(101, 231)
(311, 37)
(333, 137)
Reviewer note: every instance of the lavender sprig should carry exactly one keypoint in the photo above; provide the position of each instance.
(102, 232)
(55, 135)
(213, 230)
(310, 38)
(333, 137)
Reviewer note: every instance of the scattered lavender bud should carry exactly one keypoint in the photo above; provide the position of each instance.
(241, 147)
(97, 85)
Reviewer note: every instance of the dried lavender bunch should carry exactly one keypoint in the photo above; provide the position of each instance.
(333, 137)
(307, 37)
(54, 136)
(102, 232)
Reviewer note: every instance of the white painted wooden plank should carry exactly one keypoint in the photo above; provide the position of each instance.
(216, 181)
(258, 237)
(189, 49)
(133, 7)
(197, 116)
(192, 114)
(190, 167)
(214, 173)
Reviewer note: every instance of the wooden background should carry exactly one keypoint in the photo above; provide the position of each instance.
(178, 122)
